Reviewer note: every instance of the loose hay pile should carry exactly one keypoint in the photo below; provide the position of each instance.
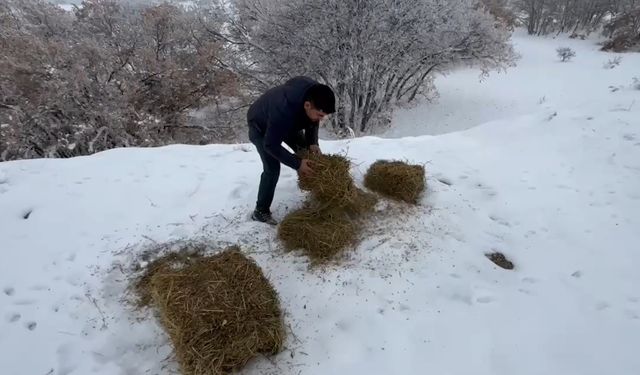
(396, 179)
(329, 221)
(322, 233)
(220, 311)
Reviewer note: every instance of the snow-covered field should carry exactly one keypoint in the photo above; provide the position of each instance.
(554, 184)
(541, 80)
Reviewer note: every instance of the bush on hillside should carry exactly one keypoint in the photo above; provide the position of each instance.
(108, 75)
(565, 53)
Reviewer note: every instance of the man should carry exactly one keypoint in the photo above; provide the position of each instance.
(289, 113)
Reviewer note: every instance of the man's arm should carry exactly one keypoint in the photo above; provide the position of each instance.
(277, 129)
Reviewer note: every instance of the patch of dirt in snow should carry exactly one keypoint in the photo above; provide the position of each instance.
(500, 260)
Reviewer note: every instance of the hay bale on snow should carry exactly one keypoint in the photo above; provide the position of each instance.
(330, 182)
(396, 179)
(331, 185)
(220, 311)
(322, 233)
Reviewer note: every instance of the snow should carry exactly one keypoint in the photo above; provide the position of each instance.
(554, 185)
(539, 80)
(67, 7)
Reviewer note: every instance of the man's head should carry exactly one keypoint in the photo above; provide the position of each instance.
(319, 102)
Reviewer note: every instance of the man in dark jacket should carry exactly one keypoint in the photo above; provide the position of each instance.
(288, 113)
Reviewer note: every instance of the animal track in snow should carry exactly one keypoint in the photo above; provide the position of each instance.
(9, 291)
(31, 325)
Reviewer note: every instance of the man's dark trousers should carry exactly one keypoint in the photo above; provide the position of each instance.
(271, 166)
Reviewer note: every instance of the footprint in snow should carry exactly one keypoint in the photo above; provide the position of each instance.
(9, 291)
(499, 220)
(485, 299)
(462, 297)
(39, 287)
(632, 314)
(576, 274)
(445, 181)
(12, 318)
(31, 325)
(488, 191)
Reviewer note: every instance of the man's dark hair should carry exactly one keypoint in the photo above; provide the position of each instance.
(322, 98)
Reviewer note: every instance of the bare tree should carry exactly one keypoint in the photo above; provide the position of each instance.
(374, 54)
(110, 75)
(623, 29)
(571, 16)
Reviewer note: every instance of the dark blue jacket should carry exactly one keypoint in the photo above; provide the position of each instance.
(279, 115)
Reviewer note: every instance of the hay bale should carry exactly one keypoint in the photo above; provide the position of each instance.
(331, 185)
(220, 311)
(396, 179)
(330, 182)
(321, 232)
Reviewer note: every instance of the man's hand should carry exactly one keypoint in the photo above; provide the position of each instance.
(315, 149)
(305, 168)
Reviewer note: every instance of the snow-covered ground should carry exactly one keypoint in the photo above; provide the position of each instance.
(553, 184)
(540, 80)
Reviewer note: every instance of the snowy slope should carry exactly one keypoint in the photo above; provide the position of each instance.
(556, 188)
(539, 79)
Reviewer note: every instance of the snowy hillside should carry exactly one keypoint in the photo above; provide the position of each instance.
(554, 184)
(539, 81)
